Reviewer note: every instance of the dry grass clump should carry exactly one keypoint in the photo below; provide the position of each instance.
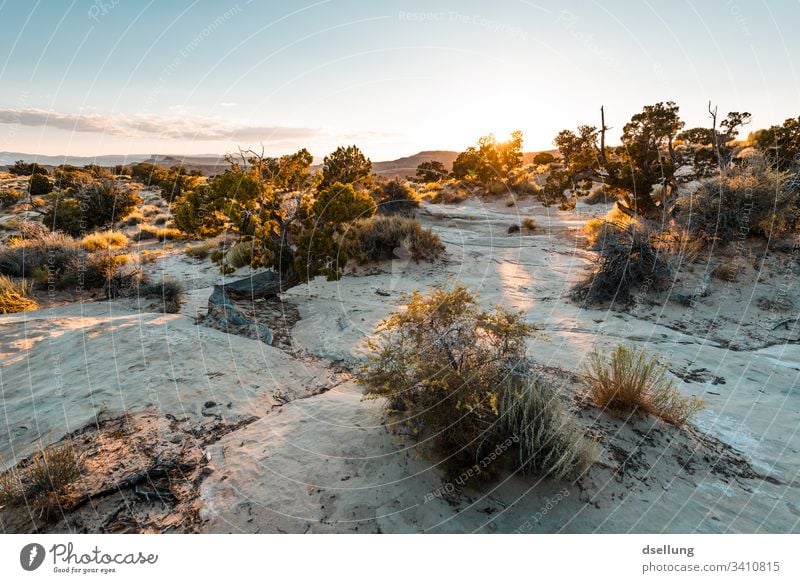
(379, 238)
(240, 255)
(39, 249)
(133, 218)
(147, 256)
(630, 382)
(102, 240)
(161, 219)
(40, 482)
(199, 251)
(529, 224)
(169, 291)
(168, 234)
(550, 442)
(147, 232)
(456, 373)
(15, 296)
(627, 262)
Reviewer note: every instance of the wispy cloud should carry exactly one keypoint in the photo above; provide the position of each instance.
(156, 126)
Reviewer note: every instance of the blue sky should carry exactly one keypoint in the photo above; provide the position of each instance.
(122, 76)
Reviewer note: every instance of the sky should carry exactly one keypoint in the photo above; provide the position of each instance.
(86, 78)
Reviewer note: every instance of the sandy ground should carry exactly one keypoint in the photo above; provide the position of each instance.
(313, 457)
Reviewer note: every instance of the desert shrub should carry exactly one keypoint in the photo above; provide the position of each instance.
(496, 187)
(40, 482)
(92, 271)
(527, 186)
(345, 165)
(22, 168)
(378, 239)
(168, 234)
(199, 251)
(450, 194)
(147, 232)
(598, 195)
(568, 204)
(9, 198)
(443, 366)
(396, 198)
(97, 204)
(161, 220)
(431, 171)
(104, 240)
(42, 250)
(629, 382)
(15, 296)
(39, 184)
(169, 291)
(529, 224)
(627, 261)
(751, 199)
(550, 442)
(729, 270)
(543, 158)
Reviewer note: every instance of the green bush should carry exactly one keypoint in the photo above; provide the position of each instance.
(96, 205)
(39, 184)
(396, 198)
(444, 366)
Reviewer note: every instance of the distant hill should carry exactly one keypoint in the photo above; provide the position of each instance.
(8, 158)
(210, 164)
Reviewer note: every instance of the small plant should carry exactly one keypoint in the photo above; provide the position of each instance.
(529, 224)
(40, 483)
(104, 240)
(729, 270)
(15, 296)
(199, 251)
(169, 290)
(630, 382)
